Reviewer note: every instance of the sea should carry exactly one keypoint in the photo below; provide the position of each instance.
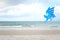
(30, 24)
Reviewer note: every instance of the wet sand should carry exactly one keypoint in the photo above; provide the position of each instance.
(29, 32)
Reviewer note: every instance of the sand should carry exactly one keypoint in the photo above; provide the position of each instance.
(29, 34)
(23, 34)
(29, 37)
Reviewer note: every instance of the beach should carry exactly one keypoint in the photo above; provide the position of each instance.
(29, 31)
(29, 34)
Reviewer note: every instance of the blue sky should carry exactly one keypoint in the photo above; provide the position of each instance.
(27, 10)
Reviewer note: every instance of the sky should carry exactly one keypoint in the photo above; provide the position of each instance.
(27, 10)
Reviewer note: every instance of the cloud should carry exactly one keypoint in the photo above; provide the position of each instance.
(2, 4)
(24, 9)
(16, 2)
(5, 3)
(23, 12)
(57, 13)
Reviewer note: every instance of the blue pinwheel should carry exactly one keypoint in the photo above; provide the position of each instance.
(49, 14)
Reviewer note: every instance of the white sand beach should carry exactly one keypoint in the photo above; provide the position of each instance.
(29, 37)
(29, 34)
